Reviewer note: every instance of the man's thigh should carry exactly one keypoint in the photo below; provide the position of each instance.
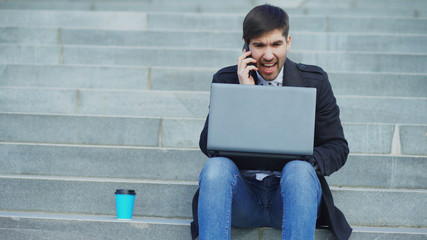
(247, 210)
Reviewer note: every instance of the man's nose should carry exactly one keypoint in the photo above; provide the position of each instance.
(268, 54)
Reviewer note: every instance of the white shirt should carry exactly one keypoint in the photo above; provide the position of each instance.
(276, 82)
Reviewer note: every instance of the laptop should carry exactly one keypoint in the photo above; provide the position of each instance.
(261, 127)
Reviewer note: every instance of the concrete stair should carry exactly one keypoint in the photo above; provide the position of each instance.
(100, 95)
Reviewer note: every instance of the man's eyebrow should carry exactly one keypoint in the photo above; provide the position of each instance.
(259, 43)
(279, 41)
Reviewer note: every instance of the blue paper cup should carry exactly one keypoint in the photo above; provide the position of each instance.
(125, 200)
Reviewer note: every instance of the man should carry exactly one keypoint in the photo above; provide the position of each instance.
(298, 198)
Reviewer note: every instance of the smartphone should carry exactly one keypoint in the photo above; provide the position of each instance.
(246, 47)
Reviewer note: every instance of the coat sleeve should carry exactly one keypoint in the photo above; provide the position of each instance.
(330, 146)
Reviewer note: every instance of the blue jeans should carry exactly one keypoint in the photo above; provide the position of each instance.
(227, 198)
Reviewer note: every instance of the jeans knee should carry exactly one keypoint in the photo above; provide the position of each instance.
(299, 174)
(218, 169)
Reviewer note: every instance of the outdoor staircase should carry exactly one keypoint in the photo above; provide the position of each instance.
(99, 95)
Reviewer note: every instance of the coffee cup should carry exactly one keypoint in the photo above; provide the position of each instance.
(125, 199)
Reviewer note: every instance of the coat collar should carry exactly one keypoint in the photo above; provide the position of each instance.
(292, 75)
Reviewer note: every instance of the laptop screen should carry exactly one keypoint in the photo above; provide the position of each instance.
(261, 123)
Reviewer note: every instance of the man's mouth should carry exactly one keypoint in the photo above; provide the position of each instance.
(268, 67)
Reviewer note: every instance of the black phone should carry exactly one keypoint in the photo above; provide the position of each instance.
(246, 47)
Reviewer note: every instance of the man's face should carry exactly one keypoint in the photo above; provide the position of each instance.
(270, 50)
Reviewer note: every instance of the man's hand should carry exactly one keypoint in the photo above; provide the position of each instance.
(244, 67)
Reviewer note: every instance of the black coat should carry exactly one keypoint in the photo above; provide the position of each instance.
(330, 147)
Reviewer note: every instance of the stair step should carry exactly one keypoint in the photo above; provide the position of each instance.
(182, 133)
(360, 3)
(386, 207)
(194, 21)
(205, 58)
(188, 104)
(364, 10)
(192, 79)
(359, 233)
(166, 164)
(211, 39)
(94, 77)
(106, 102)
(102, 161)
(23, 225)
(308, 23)
(379, 84)
(358, 8)
(92, 130)
(74, 19)
(410, 134)
(158, 5)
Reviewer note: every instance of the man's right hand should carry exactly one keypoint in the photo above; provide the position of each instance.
(244, 67)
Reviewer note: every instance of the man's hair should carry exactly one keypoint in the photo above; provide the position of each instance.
(264, 18)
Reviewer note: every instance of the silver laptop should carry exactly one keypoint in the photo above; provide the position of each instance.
(261, 127)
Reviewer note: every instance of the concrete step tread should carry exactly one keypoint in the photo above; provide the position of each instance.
(63, 226)
(172, 199)
(173, 221)
(407, 10)
(186, 68)
(387, 42)
(358, 4)
(300, 32)
(164, 163)
(168, 92)
(195, 49)
(110, 180)
(187, 183)
(162, 20)
(189, 104)
(221, 14)
(90, 218)
(398, 62)
(363, 137)
(169, 148)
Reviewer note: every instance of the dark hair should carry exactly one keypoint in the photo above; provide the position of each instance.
(262, 19)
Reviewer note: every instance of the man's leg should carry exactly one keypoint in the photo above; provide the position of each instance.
(223, 193)
(300, 199)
